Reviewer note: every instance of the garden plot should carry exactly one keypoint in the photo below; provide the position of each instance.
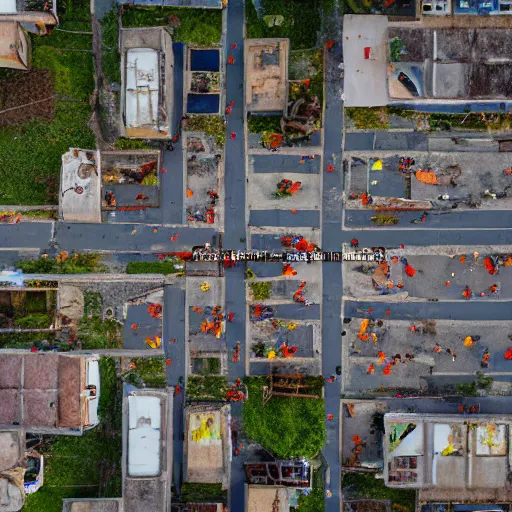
(263, 187)
(274, 338)
(202, 187)
(130, 179)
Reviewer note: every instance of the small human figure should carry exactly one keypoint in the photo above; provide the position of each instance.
(451, 352)
(229, 110)
(231, 59)
(330, 168)
(233, 136)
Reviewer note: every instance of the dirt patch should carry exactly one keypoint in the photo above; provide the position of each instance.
(29, 94)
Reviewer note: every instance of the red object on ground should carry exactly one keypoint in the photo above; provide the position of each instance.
(302, 245)
(467, 293)
(370, 309)
(141, 197)
(135, 326)
(508, 354)
(354, 242)
(232, 103)
(155, 310)
(231, 317)
(229, 110)
(294, 211)
(177, 389)
(163, 170)
(329, 44)
(330, 168)
(176, 138)
(173, 340)
(34, 349)
(233, 136)
(388, 312)
(402, 246)
(367, 52)
(231, 59)
(488, 264)
(307, 82)
(330, 417)
(233, 46)
(357, 439)
(447, 283)
(132, 208)
(410, 271)
(168, 362)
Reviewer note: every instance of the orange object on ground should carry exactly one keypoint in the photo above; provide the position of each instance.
(371, 369)
(410, 271)
(388, 312)
(364, 326)
(135, 326)
(428, 177)
(488, 264)
(382, 358)
(387, 369)
(190, 193)
(462, 259)
(295, 187)
(363, 337)
(447, 283)
(467, 293)
(357, 439)
(330, 417)
(288, 270)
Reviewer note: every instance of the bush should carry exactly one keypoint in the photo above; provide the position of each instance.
(260, 124)
(261, 290)
(209, 388)
(98, 333)
(213, 126)
(371, 118)
(202, 493)
(196, 26)
(75, 263)
(150, 267)
(34, 321)
(123, 143)
(93, 303)
(149, 370)
(111, 60)
(288, 427)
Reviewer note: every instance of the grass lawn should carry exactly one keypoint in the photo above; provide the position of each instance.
(365, 485)
(207, 388)
(201, 27)
(150, 370)
(31, 153)
(88, 466)
(150, 267)
(111, 60)
(64, 263)
(302, 21)
(97, 333)
(288, 427)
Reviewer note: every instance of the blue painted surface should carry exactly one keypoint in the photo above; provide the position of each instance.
(203, 103)
(204, 60)
(303, 218)
(476, 7)
(274, 162)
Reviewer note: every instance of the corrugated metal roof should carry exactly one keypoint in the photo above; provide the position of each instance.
(142, 87)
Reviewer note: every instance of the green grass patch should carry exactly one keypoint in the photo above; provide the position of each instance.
(24, 339)
(288, 427)
(98, 333)
(302, 21)
(261, 290)
(201, 27)
(31, 153)
(260, 124)
(111, 59)
(34, 321)
(93, 303)
(150, 267)
(207, 388)
(202, 493)
(88, 466)
(214, 126)
(74, 263)
(371, 118)
(40, 214)
(148, 370)
(206, 365)
(365, 485)
(123, 143)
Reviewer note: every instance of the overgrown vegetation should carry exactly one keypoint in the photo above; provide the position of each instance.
(93, 304)
(206, 365)
(384, 219)
(260, 124)
(288, 427)
(482, 383)
(98, 333)
(201, 27)
(30, 153)
(151, 267)
(123, 143)
(299, 21)
(202, 493)
(213, 126)
(99, 451)
(64, 263)
(147, 371)
(370, 118)
(111, 60)
(207, 388)
(365, 485)
(261, 290)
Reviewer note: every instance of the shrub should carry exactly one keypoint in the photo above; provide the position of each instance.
(111, 60)
(202, 493)
(213, 126)
(150, 267)
(288, 427)
(34, 321)
(260, 124)
(98, 333)
(148, 370)
(75, 263)
(123, 143)
(208, 388)
(261, 290)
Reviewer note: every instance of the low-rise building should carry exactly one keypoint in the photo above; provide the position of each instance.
(449, 457)
(50, 393)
